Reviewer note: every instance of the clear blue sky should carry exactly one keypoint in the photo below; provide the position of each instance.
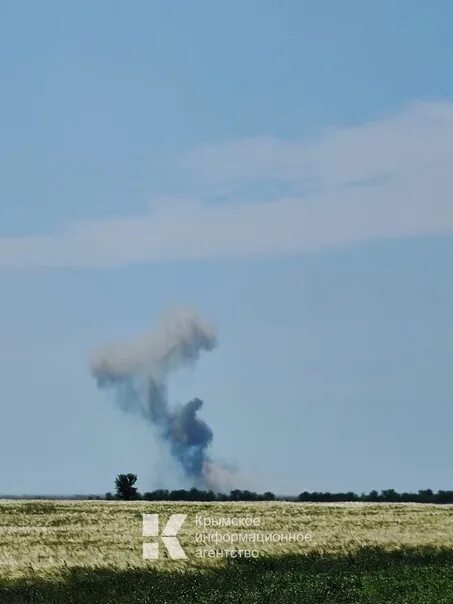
(285, 167)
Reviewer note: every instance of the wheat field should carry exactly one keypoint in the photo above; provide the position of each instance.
(42, 541)
(46, 537)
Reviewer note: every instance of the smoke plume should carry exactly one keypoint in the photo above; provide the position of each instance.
(137, 371)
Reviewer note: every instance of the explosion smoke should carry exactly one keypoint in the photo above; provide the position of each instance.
(138, 370)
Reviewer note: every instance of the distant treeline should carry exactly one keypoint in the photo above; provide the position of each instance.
(198, 495)
(387, 496)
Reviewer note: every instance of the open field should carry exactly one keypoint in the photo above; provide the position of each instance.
(312, 553)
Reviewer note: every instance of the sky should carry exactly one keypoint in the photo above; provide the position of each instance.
(282, 167)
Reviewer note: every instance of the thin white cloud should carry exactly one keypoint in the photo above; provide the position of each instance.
(415, 137)
(388, 179)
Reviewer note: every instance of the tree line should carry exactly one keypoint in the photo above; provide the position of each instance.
(387, 496)
(126, 490)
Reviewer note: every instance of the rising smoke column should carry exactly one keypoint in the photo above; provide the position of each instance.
(137, 371)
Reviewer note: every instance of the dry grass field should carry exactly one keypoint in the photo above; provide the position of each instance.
(52, 550)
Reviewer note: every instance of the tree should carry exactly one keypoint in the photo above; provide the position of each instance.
(390, 495)
(124, 485)
(372, 496)
(268, 496)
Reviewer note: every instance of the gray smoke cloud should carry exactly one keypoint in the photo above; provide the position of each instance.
(137, 371)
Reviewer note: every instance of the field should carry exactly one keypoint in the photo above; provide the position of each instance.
(91, 551)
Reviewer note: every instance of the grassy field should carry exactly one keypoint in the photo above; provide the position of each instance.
(71, 552)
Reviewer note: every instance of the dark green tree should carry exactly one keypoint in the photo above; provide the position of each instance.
(268, 496)
(124, 485)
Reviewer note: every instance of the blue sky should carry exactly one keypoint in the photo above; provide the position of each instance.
(285, 167)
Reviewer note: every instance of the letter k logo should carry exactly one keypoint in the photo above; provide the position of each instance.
(168, 536)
